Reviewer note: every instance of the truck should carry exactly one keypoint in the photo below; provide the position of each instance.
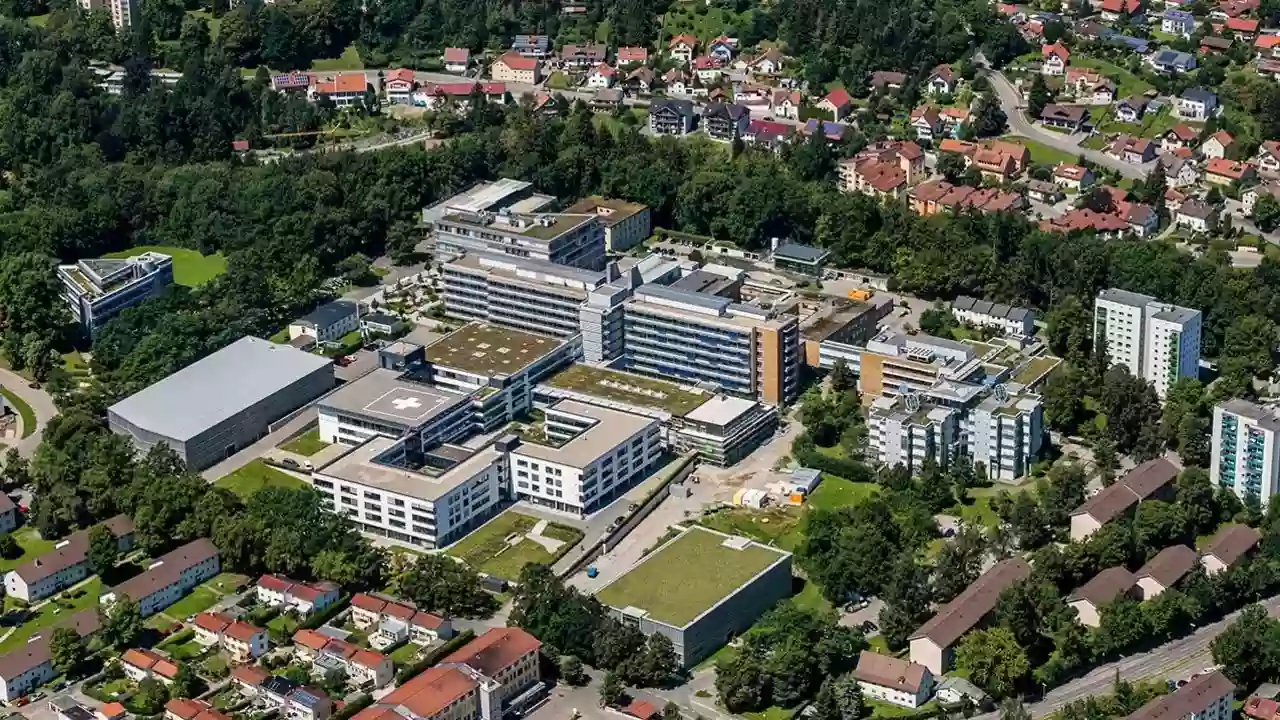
(861, 295)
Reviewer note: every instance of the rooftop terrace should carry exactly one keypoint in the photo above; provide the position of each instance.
(484, 349)
(627, 388)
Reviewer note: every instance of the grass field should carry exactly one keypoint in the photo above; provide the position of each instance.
(32, 547)
(350, 60)
(628, 388)
(39, 20)
(559, 81)
(691, 19)
(190, 268)
(834, 492)
(1043, 154)
(779, 526)
(689, 575)
(486, 549)
(54, 612)
(197, 601)
(1126, 82)
(1152, 126)
(24, 410)
(255, 476)
(308, 443)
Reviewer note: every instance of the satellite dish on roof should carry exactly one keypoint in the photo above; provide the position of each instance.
(1001, 393)
(912, 401)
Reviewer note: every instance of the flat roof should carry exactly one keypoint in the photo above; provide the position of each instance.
(611, 211)
(628, 388)
(217, 387)
(801, 253)
(610, 429)
(359, 466)
(485, 349)
(689, 575)
(383, 394)
(721, 410)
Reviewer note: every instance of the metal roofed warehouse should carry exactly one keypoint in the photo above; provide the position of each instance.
(222, 403)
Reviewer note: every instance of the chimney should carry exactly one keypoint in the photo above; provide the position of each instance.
(773, 244)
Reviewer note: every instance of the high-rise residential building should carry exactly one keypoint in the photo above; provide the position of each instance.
(98, 290)
(695, 337)
(903, 431)
(894, 363)
(526, 294)
(1244, 457)
(123, 12)
(1156, 341)
(1004, 433)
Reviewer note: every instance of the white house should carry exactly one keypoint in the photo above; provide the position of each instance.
(140, 664)
(302, 598)
(1012, 321)
(601, 77)
(168, 578)
(328, 322)
(1196, 104)
(897, 682)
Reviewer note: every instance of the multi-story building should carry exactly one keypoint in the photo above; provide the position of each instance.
(506, 658)
(241, 641)
(695, 337)
(894, 363)
(626, 224)
(893, 680)
(65, 565)
(724, 429)
(1016, 322)
(1205, 697)
(98, 290)
(526, 294)
(468, 226)
(1155, 341)
(328, 322)
(296, 597)
(1004, 434)
(141, 664)
(583, 456)
(398, 621)
(1244, 449)
(671, 117)
(169, 577)
(123, 12)
(385, 403)
(903, 432)
(30, 665)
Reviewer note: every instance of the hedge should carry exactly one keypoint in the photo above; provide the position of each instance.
(362, 701)
(435, 656)
(320, 618)
(851, 470)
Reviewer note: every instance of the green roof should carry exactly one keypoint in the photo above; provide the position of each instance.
(688, 576)
(627, 388)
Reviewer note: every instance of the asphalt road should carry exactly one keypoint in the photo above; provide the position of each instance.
(39, 400)
(1011, 102)
(1176, 659)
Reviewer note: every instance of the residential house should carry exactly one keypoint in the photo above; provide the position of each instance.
(1196, 104)
(1196, 216)
(682, 47)
(184, 709)
(769, 62)
(1173, 199)
(671, 117)
(343, 89)
(371, 611)
(953, 119)
(883, 170)
(942, 81)
(1018, 322)
(1000, 160)
(292, 82)
(1172, 61)
(837, 102)
(785, 104)
(1165, 569)
(294, 596)
(1178, 22)
(1267, 47)
(632, 56)
(1268, 158)
(1249, 198)
(933, 644)
(1137, 46)
(1130, 109)
(30, 664)
(1106, 587)
(370, 668)
(1043, 191)
(768, 134)
(534, 46)
(1132, 150)
(240, 640)
(1102, 93)
(1268, 68)
(707, 69)
(1225, 172)
(327, 323)
(1053, 59)
(8, 514)
(832, 131)
(959, 147)
(1113, 10)
(887, 80)
(1243, 29)
(722, 48)
(1232, 542)
(141, 664)
(639, 81)
(582, 56)
(725, 122)
(676, 81)
(513, 67)
(168, 578)
(1152, 479)
(456, 60)
(1064, 117)
(888, 679)
(63, 566)
(398, 86)
(1073, 177)
(1219, 146)
(1214, 45)
(957, 689)
(1206, 696)
(1180, 168)
(939, 196)
(1179, 136)
(927, 123)
(601, 77)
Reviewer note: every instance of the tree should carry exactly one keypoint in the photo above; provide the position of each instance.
(121, 622)
(1266, 212)
(1123, 625)
(842, 378)
(671, 711)
(848, 694)
(938, 321)
(9, 548)
(571, 670)
(17, 471)
(951, 166)
(988, 118)
(104, 549)
(824, 704)
(1038, 96)
(186, 684)
(655, 665)
(611, 690)
(150, 697)
(994, 660)
(1011, 708)
(66, 648)
(1247, 649)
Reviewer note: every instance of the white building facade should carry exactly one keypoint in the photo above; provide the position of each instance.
(1004, 434)
(1244, 445)
(1155, 341)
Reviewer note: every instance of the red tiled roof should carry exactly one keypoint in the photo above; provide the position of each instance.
(213, 622)
(641, 709)
(140, 658)
(457, 55)
(368, 658)
(400, 75)
(368, 602)
(396, 610)
(837, 98)
(424, 695)
(1246, 25)
(1261, 708)
(1224, 138)
(1266, 42)
(957, 146)
(1124, 6)
(342, 83)
(632, 54)
(1226, 168)
(275, 583)
(495, 650)
(427, 620)
(1070, 172)
(250, 675)
(516, 61)
(1185, 133)
(688, 40)
(1055, 49)
(242, 631)
(165, 669)
(112, 710)
(310, 639)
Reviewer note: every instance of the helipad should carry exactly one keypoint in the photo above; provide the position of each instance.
(383, 397)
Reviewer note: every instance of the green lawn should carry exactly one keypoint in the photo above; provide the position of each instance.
(308, 443)
(215, 24)
(54, 612)
(39, 20)
(486, 549)
(32, 547)
(834, 492)
(350, 60)
(197, 601)
(772, 713)
(257, 475)
(1152, 126)
(778, 526)
(559, 81)
(1126, 82)
(190, 268)
(687, 576)
(1094, 142)
(688, 19)
(810, 598)
(24, 410)
(885, 710)
(227, 582)
(1043, 154)
(405, 654)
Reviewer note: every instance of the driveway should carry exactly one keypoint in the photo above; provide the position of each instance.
(1011, 102)
(41, 403)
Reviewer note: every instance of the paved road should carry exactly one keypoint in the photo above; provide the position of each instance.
(256, 450)
(1176, 659)
(1011, 102)
(39, 400)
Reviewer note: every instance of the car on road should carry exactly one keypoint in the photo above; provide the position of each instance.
(869, 627)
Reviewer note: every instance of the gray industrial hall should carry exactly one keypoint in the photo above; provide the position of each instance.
(218, 405)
